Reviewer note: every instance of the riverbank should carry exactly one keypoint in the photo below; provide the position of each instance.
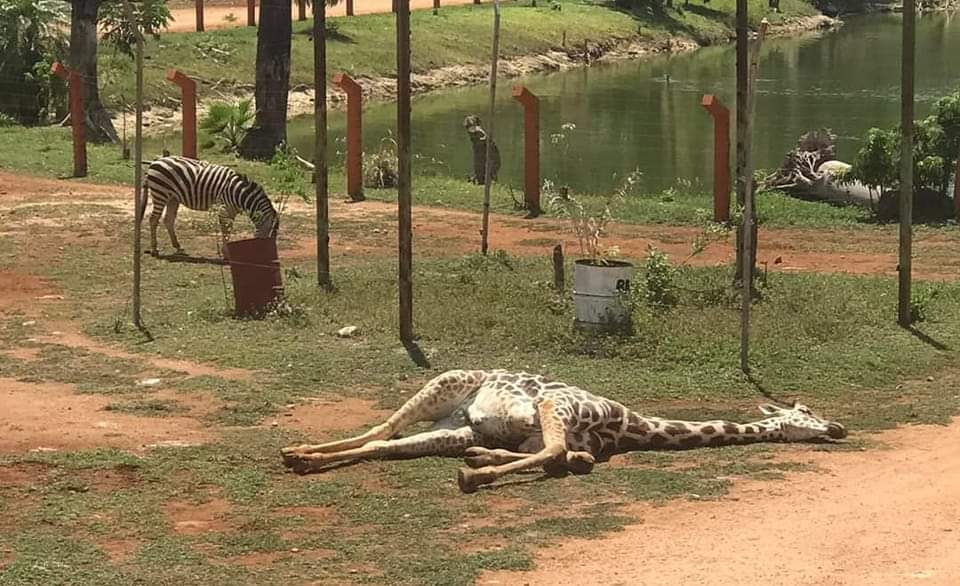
(449, 50)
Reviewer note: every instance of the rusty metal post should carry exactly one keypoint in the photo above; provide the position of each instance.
(354, 134)
(251, 12)
(188, 101)
(199, 4)
(721, 157)
(77, 117)
(301, 10)
(531, 148)
(349, 7)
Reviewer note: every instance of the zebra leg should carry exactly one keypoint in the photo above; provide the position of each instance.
(154, 222)
(170, 221)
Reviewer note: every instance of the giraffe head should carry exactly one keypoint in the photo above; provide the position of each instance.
(799, 423)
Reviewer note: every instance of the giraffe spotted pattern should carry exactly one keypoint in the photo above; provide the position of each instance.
(502, 422)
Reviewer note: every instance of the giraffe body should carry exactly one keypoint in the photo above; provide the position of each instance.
(502, 422)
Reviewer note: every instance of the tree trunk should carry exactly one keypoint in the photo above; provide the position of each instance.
(273, 81)
(83, 59)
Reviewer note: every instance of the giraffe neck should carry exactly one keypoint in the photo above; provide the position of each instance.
(651, 433)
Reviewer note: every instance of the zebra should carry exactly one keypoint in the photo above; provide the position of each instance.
(199, 185)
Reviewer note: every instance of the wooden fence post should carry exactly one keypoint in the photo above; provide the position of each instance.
(188, 101)
(320, 175)
(199, 4)
(349, 7)
(354, 134)
(531, 148)
(301, 10)
(404, 188)
(77, 117)
(558, 276)
(956, 189)
(721, 157)
(908, 58)
(436, 7)
(251, 12)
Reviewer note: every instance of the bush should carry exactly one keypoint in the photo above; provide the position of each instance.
(227, 124)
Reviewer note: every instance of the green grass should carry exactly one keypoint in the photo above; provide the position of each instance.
(49, 154)
(828, 339)
(461, 35)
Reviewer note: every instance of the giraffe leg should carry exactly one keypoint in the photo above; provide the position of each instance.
(575, 462)
(170, 221)
(554, 448)
(437, 400)
(439, 442)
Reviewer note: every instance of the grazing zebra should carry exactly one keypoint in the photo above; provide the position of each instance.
(199, 185)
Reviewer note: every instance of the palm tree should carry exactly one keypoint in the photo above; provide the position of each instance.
(272, 80)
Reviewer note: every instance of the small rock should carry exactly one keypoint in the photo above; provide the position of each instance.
(294, 550)
(274, 423)
(148, 382)
(929, 379)
(27, 324)
(348, 332)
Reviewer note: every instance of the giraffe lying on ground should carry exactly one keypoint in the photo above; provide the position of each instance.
(503, 422)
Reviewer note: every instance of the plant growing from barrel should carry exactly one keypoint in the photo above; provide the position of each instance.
(590, 217)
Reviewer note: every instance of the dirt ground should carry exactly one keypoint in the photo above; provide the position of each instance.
(875, 517)
(218, 14)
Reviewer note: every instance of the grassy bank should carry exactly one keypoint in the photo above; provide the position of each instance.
(47, 152)
(461, 35)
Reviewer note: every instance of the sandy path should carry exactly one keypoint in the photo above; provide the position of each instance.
(185, 19)
(876, 518)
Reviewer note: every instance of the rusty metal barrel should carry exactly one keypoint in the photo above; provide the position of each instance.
(257, 280)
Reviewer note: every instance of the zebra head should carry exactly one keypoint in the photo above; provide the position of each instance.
(261, 210)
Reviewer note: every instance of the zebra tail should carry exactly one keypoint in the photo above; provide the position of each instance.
(144, 198)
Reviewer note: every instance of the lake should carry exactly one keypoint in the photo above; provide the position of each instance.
(629, 116)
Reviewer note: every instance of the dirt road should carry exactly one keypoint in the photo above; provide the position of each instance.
(216, 16)
(876, 518)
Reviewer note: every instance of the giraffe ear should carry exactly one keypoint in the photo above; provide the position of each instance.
(768, 409)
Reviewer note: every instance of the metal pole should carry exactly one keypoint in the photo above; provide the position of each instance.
(320, 142)
(488, 173)
(404, 198)
(906, 161)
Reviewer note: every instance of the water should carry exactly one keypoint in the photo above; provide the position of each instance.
(628, 116)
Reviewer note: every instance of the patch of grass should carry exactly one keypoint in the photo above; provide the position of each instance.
(50, 150)
(364, 45)
(148, 407)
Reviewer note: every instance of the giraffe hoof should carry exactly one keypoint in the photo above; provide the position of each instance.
(478, 461)
(580, 462)
(470, 480)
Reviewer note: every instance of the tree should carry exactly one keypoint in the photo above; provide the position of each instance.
(272, 81)
(86, 16)
(877, 160)
(31, 39)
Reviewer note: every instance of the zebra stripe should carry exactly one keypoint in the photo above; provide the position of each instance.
(200, 185)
